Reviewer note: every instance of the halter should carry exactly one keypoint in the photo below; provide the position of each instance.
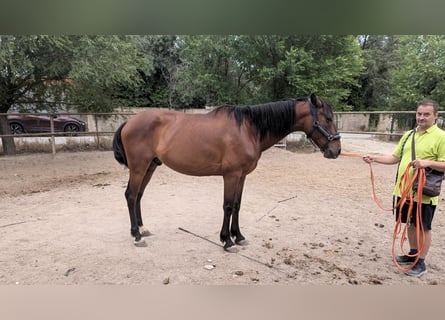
(316, 125)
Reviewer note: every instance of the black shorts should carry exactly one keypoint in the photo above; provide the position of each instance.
(427, 214)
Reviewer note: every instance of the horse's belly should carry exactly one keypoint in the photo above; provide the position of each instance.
(194, 168)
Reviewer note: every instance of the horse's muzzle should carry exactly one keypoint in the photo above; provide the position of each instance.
(331, 152)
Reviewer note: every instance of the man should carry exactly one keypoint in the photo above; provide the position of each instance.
(430, 152)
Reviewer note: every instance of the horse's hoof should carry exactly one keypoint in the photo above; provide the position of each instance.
(144, 232)
(243, 242)
(140, 243)
(231, 249)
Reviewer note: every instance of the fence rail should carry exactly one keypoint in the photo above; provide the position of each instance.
(93, 129)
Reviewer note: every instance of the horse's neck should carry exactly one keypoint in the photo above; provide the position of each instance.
(270, 141)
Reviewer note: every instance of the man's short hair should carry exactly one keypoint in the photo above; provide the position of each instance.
(432, 103)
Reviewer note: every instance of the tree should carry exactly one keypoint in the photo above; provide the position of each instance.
(252, 69)
(211, 70)
(159, 82)
(299, 65)
(421, 73)
(56, 72)
(380, 57)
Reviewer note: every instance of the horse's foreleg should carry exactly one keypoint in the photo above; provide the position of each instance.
(235, 229)
(230, 187)
(225, 234)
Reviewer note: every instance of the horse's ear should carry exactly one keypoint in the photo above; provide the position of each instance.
(315, 101)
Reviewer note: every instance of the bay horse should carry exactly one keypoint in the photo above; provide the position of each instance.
(227, 141)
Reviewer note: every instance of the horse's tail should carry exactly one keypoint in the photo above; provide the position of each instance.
(118, 147)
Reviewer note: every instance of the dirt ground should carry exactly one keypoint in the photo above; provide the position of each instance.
(309, 220)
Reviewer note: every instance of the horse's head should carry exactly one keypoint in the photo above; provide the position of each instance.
(321, 129)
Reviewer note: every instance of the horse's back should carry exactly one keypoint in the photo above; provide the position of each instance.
(172, 120)
(149, 118)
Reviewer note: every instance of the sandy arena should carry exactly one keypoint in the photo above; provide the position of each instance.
(309, 220)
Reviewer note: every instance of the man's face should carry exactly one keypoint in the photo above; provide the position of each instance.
(425, 116)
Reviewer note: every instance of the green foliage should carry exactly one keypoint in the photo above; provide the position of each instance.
(327, 65)
(56, 72)
(102, 65)
(159, 78)
(421, 73)
(29, 64)
(380, 57)
(99, 72)
(211, 71)
(255, 69)
(62, 72)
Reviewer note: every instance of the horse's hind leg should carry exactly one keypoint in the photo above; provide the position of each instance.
(151, 169)
(133, 194)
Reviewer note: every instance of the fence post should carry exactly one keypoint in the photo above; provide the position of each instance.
(97, 132)
(53, 139)
(391, 130)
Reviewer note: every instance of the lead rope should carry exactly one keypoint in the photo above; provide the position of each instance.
(371, 173)
(405, 186)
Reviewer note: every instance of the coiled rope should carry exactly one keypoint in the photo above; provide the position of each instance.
(405, 185)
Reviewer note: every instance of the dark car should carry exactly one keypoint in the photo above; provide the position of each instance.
(29, 123)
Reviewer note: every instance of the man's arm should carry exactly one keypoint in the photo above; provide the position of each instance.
(436, 165)
(384, 159)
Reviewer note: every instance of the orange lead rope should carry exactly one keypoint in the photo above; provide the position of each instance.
(405, 186)
(371, 172)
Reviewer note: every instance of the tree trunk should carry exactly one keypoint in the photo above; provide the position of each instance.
(7, 142)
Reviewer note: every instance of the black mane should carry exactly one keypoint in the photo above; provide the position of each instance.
(275, 118)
